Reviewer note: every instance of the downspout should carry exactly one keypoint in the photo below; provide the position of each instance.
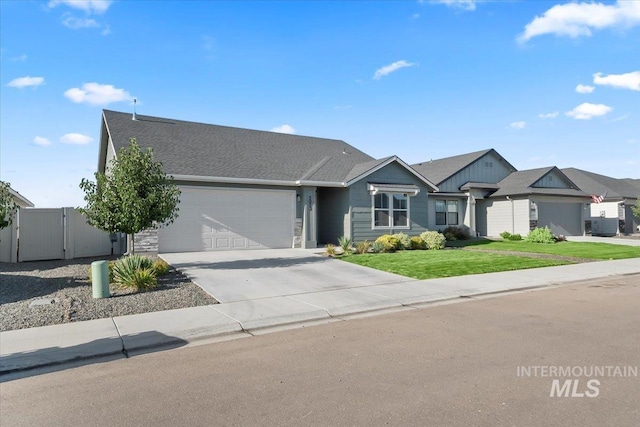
(513, 217)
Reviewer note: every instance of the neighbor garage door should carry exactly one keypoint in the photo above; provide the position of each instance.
(213, 219)
(561, 218)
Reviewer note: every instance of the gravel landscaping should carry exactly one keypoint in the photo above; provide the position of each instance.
(41, 293)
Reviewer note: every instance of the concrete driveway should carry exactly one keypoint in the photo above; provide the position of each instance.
(232, 276)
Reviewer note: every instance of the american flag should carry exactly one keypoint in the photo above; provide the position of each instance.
(598, 199)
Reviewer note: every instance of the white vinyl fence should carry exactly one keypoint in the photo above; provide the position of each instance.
(62, 233)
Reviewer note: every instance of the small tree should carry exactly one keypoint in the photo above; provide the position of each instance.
(636, 209)
(134, 195)
(8, 205)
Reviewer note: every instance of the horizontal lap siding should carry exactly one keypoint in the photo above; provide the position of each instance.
(361, 209)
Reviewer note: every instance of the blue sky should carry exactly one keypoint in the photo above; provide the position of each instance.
(543, 82)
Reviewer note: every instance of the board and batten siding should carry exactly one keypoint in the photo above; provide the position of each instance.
(551, 180)
(506, 215)
(333, 214)
(361, 204)
(488, 168)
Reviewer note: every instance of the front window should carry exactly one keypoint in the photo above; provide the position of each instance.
(390, 210)
(446, 212)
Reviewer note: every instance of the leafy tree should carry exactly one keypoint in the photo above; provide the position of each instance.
(133, 195)
(7, 205)
(636, 209)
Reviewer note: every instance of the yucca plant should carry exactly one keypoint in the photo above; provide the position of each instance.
(330, 250)
(363, 247)
(345, 244)
(133, 272)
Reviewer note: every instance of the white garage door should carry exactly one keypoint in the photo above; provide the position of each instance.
(561, 218)
(213, 219)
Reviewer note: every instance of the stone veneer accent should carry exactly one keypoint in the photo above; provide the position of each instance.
(146, 241)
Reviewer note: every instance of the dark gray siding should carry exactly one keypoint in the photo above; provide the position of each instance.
(361, 210)
(488, 168)
(333, 211)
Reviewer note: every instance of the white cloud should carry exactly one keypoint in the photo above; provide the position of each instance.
(75, 138)
(27, 81)
(579, 19)
(388, 69)
(97, 94)
(622, 81)
(458, 4)
(548, 115)
(42, 142)
(284, 129)
(518, 125)
(584, 89)
(88, 6)
(77, 23)
(20, 58)
(587, 111)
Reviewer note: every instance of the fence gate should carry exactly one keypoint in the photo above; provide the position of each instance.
(41, 234)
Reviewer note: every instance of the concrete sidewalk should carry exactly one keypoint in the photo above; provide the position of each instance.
(119, 336)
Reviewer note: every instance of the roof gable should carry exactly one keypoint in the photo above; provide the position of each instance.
(536, 181)
(20, 200)
(204, 150)
(363, 170)
(440, 170)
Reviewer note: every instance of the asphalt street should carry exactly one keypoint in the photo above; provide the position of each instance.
(460, 364)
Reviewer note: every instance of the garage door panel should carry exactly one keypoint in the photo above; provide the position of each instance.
(225, 219)
(561, 218)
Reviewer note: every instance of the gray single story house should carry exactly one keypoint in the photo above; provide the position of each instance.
(613, 214)
(524, 200)
(246, 189)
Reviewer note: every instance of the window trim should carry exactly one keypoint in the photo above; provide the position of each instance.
(390, 212)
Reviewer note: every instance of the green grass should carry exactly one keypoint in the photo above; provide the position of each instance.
(588, 250)
(446, 263)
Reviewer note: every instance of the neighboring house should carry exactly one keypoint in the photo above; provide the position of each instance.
(8, 235)
(524, 200)
(462, 181)
(613, 214)
(244, 189)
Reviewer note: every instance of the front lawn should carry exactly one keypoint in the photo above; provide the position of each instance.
(447, 263)
(587, 250)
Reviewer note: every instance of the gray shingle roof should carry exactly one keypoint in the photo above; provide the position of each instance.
(198, 149)
(439, 170)
(521, 183)
(596, 184)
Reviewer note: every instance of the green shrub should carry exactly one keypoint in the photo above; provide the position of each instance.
(160, 267)
(508, 236)
(433, 239)
(110, 265)
(388, 242)
(126, 272)
(377, 247)
(143, 279)
(363, 247)
(330, 250)
(456, 233)
(404, 241)
(345, 244)
(418, 243)
(540, 235)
